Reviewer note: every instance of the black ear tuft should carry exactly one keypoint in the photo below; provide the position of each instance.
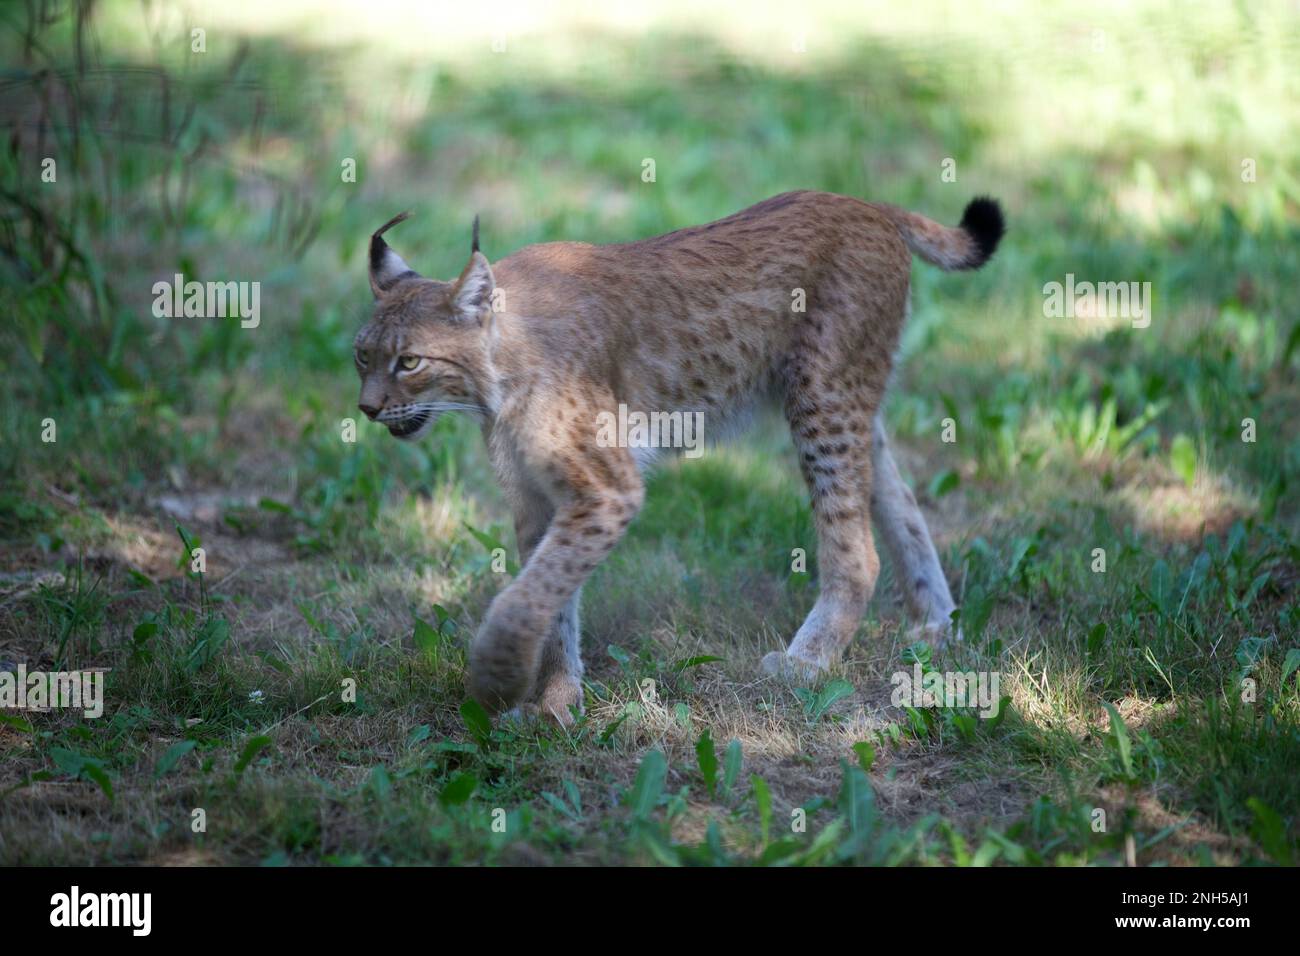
(386, 267)
(377, 245)
(983, 222)
(474, 245)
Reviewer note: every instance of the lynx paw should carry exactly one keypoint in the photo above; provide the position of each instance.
(498, 675)
(559, 698)
(782, 664)
(938, 634)
(554, 704)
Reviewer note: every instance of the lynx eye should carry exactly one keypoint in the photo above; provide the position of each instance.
(359, 357)
(408, 362)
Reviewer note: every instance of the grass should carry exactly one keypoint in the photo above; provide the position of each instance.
(300, 700)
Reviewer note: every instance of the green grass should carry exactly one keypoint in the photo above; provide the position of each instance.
(306, 692)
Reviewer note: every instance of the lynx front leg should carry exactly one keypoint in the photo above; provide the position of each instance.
(558, 688)
(604, 493)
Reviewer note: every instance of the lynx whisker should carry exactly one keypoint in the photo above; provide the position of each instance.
(440, 407)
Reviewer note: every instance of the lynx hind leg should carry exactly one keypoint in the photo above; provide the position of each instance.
(899, 520)
(831, 430)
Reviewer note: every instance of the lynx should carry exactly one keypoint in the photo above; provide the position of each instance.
(799, 299)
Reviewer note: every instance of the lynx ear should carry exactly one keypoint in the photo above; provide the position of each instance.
(386, 267)
(471, 296)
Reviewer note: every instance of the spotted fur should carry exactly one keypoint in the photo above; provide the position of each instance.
(703, 319)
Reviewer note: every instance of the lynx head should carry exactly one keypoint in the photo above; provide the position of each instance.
(423, 352)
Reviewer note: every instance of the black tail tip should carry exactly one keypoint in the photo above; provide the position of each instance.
(984, 223)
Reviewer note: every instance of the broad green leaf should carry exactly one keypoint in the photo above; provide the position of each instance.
(1182, 458)
(986, 854)
(1290, 664)
(444, 619)
(477, 721)
(659, 848)
(857, 801)
(574, 794)
(381, 784)
(172, 756)
(211, 637)
(459, 789)
(1095, 637)
(920, 726)
(708, 762)
(69, 761)
(866, 755)
(649, 784)
(965, 725)
(833, 691)
(17, 723)
(607, 734)
(944, 482)
(1250, 651)
(491, 544)
(426, 638)
(417, 735)
(1120, 738)
(1269, 829)
(1024, 547)
(97, 773)
(780, 850)
(825, 843)
(571, 812)
(919, 651)
(763, 800)
(251, 749)
(731, 764)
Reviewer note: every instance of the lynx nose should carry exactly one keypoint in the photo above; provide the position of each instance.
(370, 411)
